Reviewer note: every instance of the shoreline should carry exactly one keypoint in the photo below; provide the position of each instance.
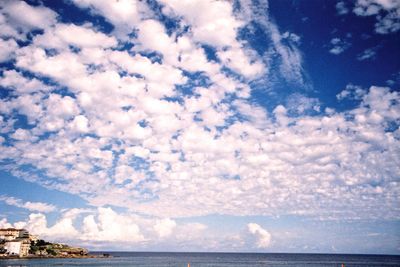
(91, 256)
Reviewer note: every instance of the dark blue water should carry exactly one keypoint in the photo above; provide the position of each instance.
(167, 259)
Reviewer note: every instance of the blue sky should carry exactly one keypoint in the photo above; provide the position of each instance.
(202, 125)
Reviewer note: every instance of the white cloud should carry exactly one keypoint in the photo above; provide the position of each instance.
(300, 104)
(387, 13)
(208, 19)
(291, 36)
(341, 8)
(62, 67)
(14, 80)
(7, 49)
(123, 14)
(121, 127)
(111, 227)
(338, 46)
(104, 227)
(4, 223)
(283, 50)
(255, 157)
(367, 54)
(80, 124)
(352, 92)
(164, 227)
(237, 60)
(263, 237)
(35, 17)
(32, 206)
(63, 35)
(152, 36)
(62, 230)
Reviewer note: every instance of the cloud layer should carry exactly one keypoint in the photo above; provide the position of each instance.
(159, 120)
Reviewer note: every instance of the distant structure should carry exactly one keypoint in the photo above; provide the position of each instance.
(15, 242)
(19, 243)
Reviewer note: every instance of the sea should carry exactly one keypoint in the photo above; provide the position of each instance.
(171, 259)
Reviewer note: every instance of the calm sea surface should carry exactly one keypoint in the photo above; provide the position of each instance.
(215, 259)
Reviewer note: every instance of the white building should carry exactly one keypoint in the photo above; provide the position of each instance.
(13, 247)
(17, 247)
(12, 233)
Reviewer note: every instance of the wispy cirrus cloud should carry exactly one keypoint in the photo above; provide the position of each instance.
(283, 52)
(32, 206)
(368, 54)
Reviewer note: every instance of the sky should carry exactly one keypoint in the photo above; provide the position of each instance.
(202, 125)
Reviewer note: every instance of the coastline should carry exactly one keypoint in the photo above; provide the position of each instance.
(32, 257)
(203, 259)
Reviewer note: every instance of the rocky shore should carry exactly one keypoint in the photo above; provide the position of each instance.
(88, 256)
(19, 243)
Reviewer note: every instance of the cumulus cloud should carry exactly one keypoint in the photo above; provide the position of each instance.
(64, 35)
(35, 17)
(15, 81)
(124, 15)
(353, 92)
(341, 8)
(106, 228)
(164, 227)
(338, 46)
(7, 49)
(111, 227)
(386, 12)
(263, 237)
(101, 225)
(208, 19)
(152, 129)
(32, 206)
(300, 104)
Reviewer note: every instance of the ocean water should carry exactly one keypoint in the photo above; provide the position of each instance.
(167, 259)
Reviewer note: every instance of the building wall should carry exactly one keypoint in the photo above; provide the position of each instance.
(17, 241)
(25, 247)
(9, 234)
(12, 233)
(13, 247)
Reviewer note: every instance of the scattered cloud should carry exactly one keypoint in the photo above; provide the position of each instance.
(263, 237)
(342, 8)
(7, 49)
(338, 46)
(32, 206)
(105, 228)
(386, 12)
(167, 128)
(368, 54)
(164, 227)
(283, 52)
(124, 15)
(17, 26)
(299, 104)
(353, 92)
